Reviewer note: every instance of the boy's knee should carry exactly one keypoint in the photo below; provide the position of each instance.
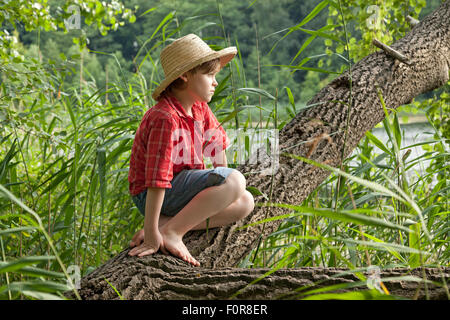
(237, 183)
(249, 203)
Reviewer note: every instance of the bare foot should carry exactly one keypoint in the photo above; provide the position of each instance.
(174, 244)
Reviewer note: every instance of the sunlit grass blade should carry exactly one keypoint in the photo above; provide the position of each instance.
(257, 91)
(38, 223)
(372, 294)
(305, 20)
(377, 142)
(390, 250)
(167, 19)
(39, 272)
(382, 246)
(9, 266)
(35, 286)
(370, 184)
(114, 288)
(344, 216)
(290, 251)
(18, 229)
(414, 242)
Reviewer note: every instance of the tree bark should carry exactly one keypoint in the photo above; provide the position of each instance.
(161, 277)
(318, 133)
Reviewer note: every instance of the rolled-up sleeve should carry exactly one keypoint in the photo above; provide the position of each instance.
(216, 139)
(158, 162)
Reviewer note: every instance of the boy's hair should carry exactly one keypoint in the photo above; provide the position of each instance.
(205, 67)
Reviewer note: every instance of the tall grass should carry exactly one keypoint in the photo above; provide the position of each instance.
(382, 218)
(64, 198)
(378, 217)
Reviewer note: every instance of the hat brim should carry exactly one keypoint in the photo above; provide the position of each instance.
(225, 56)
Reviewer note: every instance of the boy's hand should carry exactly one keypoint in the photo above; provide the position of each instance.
(152, 243)
(138, 238)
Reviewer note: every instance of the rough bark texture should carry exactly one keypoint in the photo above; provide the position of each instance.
(318, 133)
(163, 277)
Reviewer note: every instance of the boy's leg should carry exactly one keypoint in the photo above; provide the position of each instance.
(205, 204)
(237, 210)
(234, 212)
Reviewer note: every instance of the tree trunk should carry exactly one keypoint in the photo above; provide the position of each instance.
(323, 128)
(161, 277)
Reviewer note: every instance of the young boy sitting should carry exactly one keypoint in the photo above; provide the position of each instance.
(168, 180)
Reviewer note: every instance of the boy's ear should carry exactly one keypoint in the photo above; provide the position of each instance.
(184, 77)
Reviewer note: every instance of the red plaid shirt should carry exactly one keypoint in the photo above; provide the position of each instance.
(169, 140)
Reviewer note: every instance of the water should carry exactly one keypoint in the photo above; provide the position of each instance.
(412, 133)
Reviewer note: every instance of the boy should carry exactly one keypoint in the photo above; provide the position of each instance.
(168, 180)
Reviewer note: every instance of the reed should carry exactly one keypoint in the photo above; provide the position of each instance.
(64, 201)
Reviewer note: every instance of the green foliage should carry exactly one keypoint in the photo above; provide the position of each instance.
(437, 111)
(384, 20)
(27, 74)
(330, 237)
(70, 104)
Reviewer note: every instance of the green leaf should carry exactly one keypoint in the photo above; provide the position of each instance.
(397, 131)
(355, 295)
(35, 286)
(377, 142)
(167, 18)
(231, 115)
(291, 99)
(390, 250)
(59, 177)
(149, 10)
(414, 242)
(257, 91)
(19, 229)
(114, 288)
(344, 216)
(71, 114)
(370, 184)
(9, 266)
(39, 272)
(101, 156)
(382, 245)
(41, 295)
(256, 192)
(313, 13)
(5, 192)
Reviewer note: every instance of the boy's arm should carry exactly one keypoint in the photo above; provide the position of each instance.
(153, 204)
(152, 237)
(222, 160)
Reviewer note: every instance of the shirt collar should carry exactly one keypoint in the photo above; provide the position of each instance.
(175, 104)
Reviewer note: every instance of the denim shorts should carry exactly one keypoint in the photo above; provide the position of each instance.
(185, 186)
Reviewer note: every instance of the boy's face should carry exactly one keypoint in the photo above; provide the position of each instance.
(201, 86)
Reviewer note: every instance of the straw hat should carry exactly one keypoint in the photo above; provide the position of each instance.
(185, 54)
